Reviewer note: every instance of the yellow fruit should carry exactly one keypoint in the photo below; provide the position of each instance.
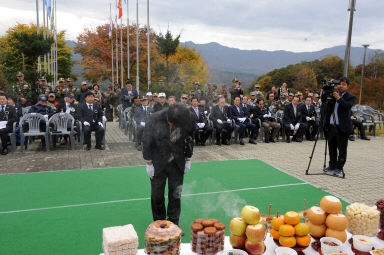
(341, 235)
(277, 222)
(289, 241)
(291, 218)
(303, 240)
(286, 230)
(301, 229)
(317, 230)
(275, 234)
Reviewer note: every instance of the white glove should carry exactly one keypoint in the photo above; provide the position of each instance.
(265, 115)
(202, 125)
(308, 118)
(297, 126)
(229, 121)
(46, 116)
(242, 119)
(219, 121)
(269, 115)
(142, 124)
(205, 112)
(187, 166)
(104, 119)
(101, 124)
(86, 123)
(292, 127)
(150, 170)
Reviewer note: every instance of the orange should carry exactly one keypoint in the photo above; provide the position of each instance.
(292, 218)
(302, 229)
(275, 234)
(303, 240)
(276, 223)
(286, 230)
(289, 241)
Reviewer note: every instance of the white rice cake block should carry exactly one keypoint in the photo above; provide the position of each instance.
(120, 238)
(126, 252)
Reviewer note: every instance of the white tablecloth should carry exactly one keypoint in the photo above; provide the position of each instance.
(185, 248)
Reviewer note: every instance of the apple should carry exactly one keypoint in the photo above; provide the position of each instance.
(237, 242)
(254, 248)
(237, 226)
(255, 233)
(250, 215)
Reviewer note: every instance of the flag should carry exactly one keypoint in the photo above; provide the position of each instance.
(120, 7)
(110, 28)
(116, 20)
(125, 1)
(49, 7)
(53, 21)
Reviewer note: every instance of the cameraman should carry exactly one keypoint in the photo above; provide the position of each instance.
(338, 125)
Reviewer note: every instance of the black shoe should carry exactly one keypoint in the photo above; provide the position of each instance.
(241, 142)
(338, 173)
(100, 147)
(252, 141)
(88, 148)
(299, 140)
(4, 151)
(226, 143)
(287, 139)
(266, 140)
(139, 148)
(365, 138)
(351, 138)
(202, 143)
(218, 143)
(272, 140)
(328, 169)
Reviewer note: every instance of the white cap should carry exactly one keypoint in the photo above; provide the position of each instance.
(162, 94)
(84, 83)
(149, 93)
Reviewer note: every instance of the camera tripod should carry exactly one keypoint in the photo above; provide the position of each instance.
(325, 154)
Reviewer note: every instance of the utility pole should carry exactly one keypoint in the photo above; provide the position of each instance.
(362, 71)
(149, 46)
(352, 4)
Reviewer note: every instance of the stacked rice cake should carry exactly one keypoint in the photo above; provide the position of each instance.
(120, 240)
(162, 237)
(207, 236)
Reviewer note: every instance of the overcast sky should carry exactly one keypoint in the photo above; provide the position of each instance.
(294, 25)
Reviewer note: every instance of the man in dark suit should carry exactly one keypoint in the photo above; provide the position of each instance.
(220, 117)
(8, 115)
(70, 107)
(249, 112)
(338, 126)
(271, 127)
(128, 94)
(241, 119)
(167, 150)
(141, 116)
(203, 130)
(91, 116)
(162, 102)
(293, 121)
(310, 117)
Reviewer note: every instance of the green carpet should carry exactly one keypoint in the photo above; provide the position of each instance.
(78, 229)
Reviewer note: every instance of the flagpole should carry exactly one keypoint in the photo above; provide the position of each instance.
(45, 36)
(111, 35)
(57, 61)
(149, 46)
(137, 47)
(128, 44)
(121, 50)
(117, 47)
(38, 31)
(48, 34)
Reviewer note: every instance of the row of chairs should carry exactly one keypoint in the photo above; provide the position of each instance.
(60, 124)
(369, 117)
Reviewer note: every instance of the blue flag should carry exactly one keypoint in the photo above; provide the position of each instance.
(49, 7)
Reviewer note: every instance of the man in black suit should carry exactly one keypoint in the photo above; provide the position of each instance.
(310, 117)
(70, 107)
(249, 112)
(242, 121)
(162, 102)
(220, 117)
(271, 127)
(338, 126)
(91, 116)
(8, 115)
(293, 121)
(203, 130)
(167, 150)
(141, 116)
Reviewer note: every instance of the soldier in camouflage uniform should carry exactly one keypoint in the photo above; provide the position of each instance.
(272, 103)
(27, 96)
(259, 94)
(196, 91)
(20, 91)
(236, 90)
(211, 93)
(116, 99)
(282, 102)
(316, 101)
(43, 86)
(109, 97)
(290, 97)
(60, 91)
(252, 99)
(69, 88)
(223, 92)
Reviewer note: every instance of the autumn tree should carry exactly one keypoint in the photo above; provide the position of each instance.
(306, 78)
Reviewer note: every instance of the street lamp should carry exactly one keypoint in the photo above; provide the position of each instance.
(362, 71)
(351, 9)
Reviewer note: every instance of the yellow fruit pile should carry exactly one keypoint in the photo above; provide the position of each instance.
(289, 231)
(328, 220)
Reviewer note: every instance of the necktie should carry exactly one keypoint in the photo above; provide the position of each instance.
(221, 109)
(197, 112)
(90, 107)
(2, 108)
(294, 110)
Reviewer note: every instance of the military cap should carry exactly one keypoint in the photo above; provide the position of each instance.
(84, 83)
(162, 94)
(310, 94)
(235, 80)
(155, 95)
(316, 95)
(143, 98)
(291, 95)
(271, 94)
(70, 95)
(19, 74)
(52, 95)
(149, 94)
(257, 86)
(69, 79)
(196, 83)
(299, 93)
(184, 96)
(253, 93)
(283, 95)
(42, 78)
(42, 98)
(61, 80)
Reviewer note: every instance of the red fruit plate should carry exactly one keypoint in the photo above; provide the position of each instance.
(297, 248)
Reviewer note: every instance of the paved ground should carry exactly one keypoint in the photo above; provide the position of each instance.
(364, 180)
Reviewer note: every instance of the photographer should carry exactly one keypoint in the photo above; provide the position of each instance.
(337, 123)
